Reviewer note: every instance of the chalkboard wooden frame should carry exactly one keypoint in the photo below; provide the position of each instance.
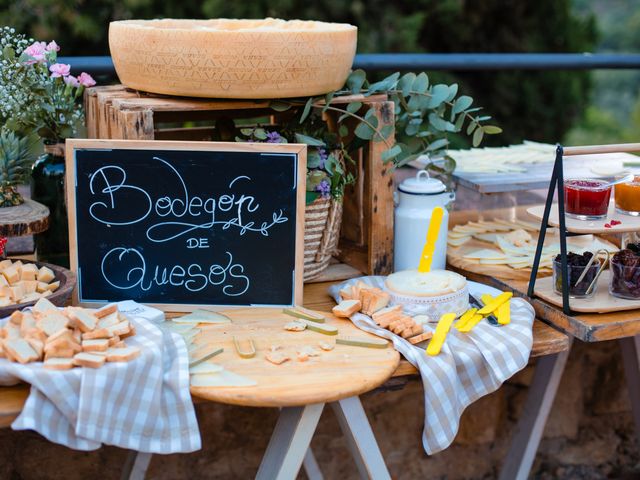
(300, 150)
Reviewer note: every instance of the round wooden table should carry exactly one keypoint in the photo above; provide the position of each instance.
(301, 389)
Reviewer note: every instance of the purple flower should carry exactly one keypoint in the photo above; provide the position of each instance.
(324, 188)
(274, 137)
(322, 153)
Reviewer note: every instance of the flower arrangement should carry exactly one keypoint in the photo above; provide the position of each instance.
(38, 101)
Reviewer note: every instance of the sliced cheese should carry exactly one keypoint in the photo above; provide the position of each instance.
(203, 316)
(224, 378)
(485, 254)
(206, 367)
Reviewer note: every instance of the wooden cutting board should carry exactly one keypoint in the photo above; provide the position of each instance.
(343, 372)
(601, 302)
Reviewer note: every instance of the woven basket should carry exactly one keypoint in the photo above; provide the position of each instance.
(321, 234)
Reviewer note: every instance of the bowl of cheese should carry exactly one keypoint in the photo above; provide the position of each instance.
(233, 58)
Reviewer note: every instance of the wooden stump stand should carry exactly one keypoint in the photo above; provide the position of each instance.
(366, 244)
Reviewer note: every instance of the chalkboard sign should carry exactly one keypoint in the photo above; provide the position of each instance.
(181, 225)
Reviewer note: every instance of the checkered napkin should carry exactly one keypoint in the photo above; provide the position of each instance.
(469, 366)
(142, 405)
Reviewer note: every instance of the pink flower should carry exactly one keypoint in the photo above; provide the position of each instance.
(60, 70)
(86, 80)
(36, 51)
(52, 47)
(71, 80)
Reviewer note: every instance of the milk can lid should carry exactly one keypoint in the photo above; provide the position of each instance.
(422, 184)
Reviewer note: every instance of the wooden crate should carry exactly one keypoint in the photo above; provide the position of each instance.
(366, 242)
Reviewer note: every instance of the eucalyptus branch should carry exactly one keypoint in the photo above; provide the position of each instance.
(359, 118)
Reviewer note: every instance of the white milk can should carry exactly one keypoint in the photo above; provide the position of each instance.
(415, 199)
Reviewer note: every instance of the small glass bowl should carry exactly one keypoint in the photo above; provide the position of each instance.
(586, 199)
(624, 281)
(627, 197)
(575, 271)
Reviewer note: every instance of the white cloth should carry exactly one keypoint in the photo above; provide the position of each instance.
(142, 405)
(469, 366)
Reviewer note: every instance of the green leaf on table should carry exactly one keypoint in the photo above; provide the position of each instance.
(279, 106)
(307, 109)
(491, 129)
(477, 137)
(421, 83)
(391, 153)
(313, 142)
(406, 83)
(356, 80)
(462, 103)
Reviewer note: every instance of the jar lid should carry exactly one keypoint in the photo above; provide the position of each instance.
(422, 184)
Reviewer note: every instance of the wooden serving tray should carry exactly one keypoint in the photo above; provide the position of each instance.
(340, 373)
(629, 223)
(59, 298)
(601, 302)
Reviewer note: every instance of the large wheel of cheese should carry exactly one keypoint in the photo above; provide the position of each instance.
(224, 58)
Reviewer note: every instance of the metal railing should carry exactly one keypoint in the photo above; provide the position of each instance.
(103, 66)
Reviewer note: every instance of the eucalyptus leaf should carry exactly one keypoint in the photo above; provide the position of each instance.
(391, 153)
(386, 131)
(477, 137)
(437, 144)
(343, 131)
(364, 131)
(461, 104)
(421, 83)
(439, 94)
(354, 107)
(406, 83)
(356, 80)
(453, 91)
(313, 142)
(313, 159)
(471, 127)
(260, 133)
(327, 101)
(279, 106)
(388, 83)
(491, 129)
(437, 122)
(459, 122)
(307, 109)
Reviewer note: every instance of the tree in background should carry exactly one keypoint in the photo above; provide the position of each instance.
(533, 105)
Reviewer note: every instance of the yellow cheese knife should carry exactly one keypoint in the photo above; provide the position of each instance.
(432, 236)
(443, 327)
(493, 305)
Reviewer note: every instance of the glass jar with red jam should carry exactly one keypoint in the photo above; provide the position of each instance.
(586, 199)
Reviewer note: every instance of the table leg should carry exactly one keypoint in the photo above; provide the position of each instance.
(530, 427)
(136, 465)
(362, 443)
(311, 467)
(289, 442)
(630, 348)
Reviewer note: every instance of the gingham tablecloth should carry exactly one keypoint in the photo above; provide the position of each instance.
(142, 405)
(469, 366)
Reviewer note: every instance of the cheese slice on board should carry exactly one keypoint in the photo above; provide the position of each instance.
(485, 254)
(206, 367)
(203, 316)
(224, 378)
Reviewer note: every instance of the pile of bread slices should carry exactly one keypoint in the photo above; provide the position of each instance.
(67, 338)
(374, 302)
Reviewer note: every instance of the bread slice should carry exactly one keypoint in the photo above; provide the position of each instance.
(423, 337)
(108, 310)
(121, 328)
(386, 311)
(90, 360)
(21, 350)
(130, 333)
(11, 331)
(108, 320)
(52, 322)
(122, 354)
(16, 317)
(346, 308)
(99, 333)
(43, 305)
(56, 363)
(366, 296)
(411, 331)
(59, 353)
(37, 346)
(378, 302)
(346, 293)
(97, 345)
(86, 322)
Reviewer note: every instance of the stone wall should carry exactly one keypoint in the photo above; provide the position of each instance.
(590, 435)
